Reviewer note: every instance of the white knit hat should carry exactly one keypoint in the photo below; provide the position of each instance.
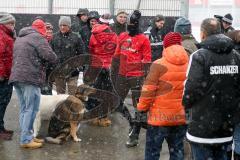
(65, 20)
(6, 18)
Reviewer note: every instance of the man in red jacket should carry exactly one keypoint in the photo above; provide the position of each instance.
(102, 46)
(7, 23)
(132, 56)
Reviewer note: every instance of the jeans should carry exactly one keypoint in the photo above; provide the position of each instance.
(5, 96)
(236, 138)
(29, 98)
(174, 136)
(209, 152)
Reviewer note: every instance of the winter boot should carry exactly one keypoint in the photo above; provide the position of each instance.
(133, 136)
(32, 145)
(236, 156)
(104, 122)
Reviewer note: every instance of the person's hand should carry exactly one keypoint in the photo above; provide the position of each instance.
(2, 79)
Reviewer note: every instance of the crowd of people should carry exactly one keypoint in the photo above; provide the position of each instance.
(183, 91)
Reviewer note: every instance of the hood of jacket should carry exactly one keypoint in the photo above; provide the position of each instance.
(218, 43)
(26, 30)
(39, 26)
(102, 33)
(175, 54)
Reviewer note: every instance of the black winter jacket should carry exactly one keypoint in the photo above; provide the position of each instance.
(156, 38)
(67, 45)
(212, 91)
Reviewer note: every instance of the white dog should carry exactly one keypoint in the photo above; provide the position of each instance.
(48, 104)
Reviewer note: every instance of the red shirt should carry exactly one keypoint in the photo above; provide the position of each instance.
(134, 52)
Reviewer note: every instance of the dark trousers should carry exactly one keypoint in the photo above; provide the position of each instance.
(213, 152)
(102, 82)
(174, 136)
(5, 96)
(122, 86)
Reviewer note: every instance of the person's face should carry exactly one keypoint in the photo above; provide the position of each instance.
(64, 28)
(202, 35)
(10, 26)
(93, 22)
(122, 18)
(83, 18)
(159, 24)
(49, 31)
(225, 25)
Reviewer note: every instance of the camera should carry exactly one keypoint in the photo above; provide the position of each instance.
(135, 16)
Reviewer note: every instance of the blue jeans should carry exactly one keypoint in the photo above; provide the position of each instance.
(174, 136)
(207, 151)
(5, 96)
(236, 138)
(29, 98)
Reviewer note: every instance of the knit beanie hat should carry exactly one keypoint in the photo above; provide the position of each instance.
(183, 26)
(82, 11)
(172, 38)
(6, 18)
(121, 12)
(39, 26)
(65, 20)
(228, 18)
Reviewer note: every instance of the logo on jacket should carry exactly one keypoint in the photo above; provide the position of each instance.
(127, 45)
(228, 69)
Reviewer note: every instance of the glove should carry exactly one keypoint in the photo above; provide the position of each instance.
(141, 118)
(2, 79)
(146, 68)
(74, 73)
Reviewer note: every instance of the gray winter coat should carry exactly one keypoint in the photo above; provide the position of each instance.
(31, 50)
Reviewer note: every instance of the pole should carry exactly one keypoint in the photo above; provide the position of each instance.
(138, 5)
(184, 8)
(112, 6)
(50, 6)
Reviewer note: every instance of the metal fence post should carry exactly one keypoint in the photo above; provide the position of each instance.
(138, 4)
(111, 6)
(184, 8)
(50, 6)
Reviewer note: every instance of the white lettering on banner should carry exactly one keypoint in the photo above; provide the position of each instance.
(229, 69)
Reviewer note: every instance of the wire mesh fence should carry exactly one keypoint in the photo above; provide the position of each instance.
(148, 7)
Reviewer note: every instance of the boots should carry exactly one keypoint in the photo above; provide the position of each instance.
(133, 136)
(102, 122)
(31, 145)
(236, 156)
(6, 134)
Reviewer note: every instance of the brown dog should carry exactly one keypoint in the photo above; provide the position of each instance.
(68, 115)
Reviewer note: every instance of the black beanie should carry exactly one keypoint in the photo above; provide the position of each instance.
(228, 18)
(133, 23)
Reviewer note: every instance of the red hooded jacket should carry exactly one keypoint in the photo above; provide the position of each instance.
(6, 51)
(102, 45)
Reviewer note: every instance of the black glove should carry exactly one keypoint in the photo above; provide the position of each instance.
(2, 79)
(74, 73)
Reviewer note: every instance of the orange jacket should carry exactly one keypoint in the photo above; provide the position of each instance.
(162, 91)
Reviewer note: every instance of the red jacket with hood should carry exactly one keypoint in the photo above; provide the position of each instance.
(6, 51)
(102, 45)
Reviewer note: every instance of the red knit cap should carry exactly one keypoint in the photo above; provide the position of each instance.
(172, 38)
